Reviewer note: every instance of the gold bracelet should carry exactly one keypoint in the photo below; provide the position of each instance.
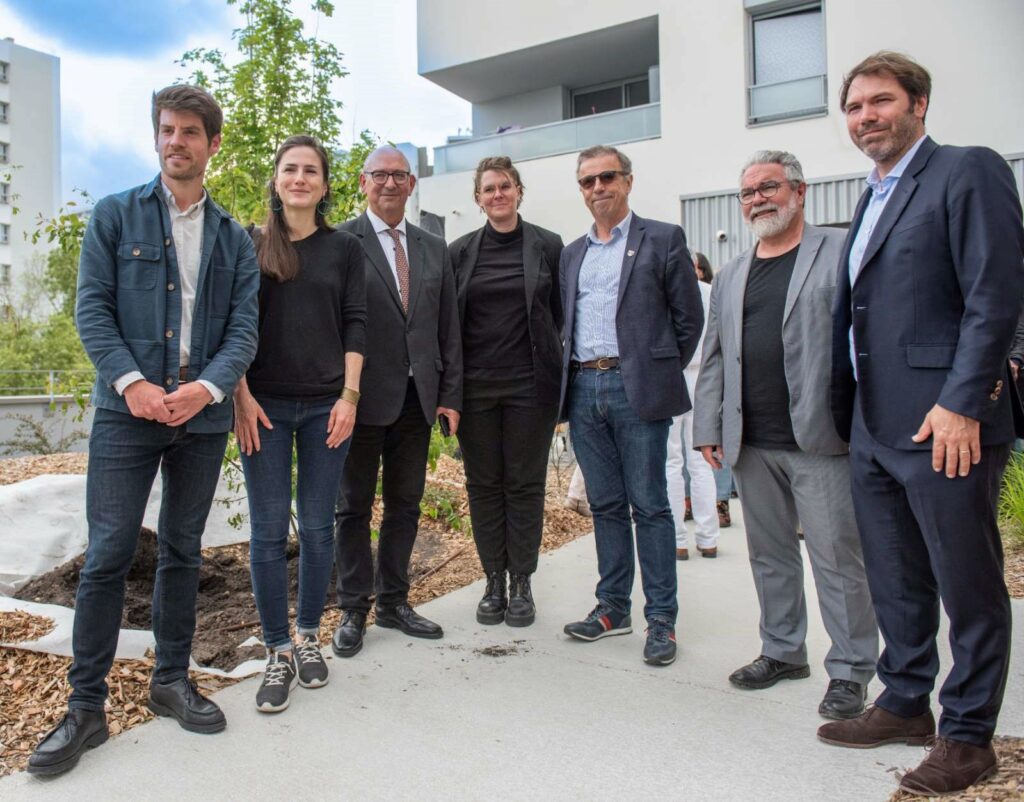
(350, 395)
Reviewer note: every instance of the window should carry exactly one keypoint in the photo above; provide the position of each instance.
(611, 96)
(787, 64)
(5, 152)
(5, 193)
(5, 275)
(5, 68)
(5, 234)
(4, 109)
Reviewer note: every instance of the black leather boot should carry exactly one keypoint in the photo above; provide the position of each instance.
(521, 610)
(491, 609)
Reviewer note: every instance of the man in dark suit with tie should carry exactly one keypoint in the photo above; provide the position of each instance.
(633, 317)
(412, 374)
(927, 299)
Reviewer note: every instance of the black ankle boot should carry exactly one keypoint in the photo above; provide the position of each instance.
(521, 610)
(491, 609)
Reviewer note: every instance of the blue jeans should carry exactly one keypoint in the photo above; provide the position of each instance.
(623, 462)
(268, 481)
(124, 456)
(723, 482)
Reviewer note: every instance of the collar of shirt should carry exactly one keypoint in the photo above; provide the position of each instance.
(191, 212)
(379, 226)
(619, 231)
(881, 186)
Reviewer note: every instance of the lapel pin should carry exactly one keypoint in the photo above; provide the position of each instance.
(630, 253)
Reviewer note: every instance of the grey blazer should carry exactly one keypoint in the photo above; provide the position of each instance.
(807, 346)
(428, 339)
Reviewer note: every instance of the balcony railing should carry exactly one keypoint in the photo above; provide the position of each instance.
(565, 136)
(779, 101)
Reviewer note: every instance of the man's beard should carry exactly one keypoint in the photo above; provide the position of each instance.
(766, 227)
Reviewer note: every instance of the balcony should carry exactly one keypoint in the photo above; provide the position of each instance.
(802, 97)
(567, 136)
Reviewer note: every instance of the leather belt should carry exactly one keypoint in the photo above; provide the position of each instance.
(602, 363)
(183, 374)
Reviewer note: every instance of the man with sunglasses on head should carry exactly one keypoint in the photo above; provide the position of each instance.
(633, 317)
(762, 404)
(411, 376)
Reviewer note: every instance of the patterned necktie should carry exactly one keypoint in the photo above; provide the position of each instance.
(402, 268)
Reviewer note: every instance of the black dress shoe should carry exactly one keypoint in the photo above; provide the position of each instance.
(181, 700)
(64, 744)
(844, 699)
(348, 637)
(521, 610)
(403, 617)
(766, 671)
(491, 609)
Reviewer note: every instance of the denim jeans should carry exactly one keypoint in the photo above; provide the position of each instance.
(124, 455)
(623, 463)
(268, 481)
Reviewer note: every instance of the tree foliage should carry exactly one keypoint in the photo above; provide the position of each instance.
(279, 85)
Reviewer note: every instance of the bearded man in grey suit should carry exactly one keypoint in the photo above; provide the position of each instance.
(762, 404)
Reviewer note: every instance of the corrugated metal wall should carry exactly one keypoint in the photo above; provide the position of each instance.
(714, 224)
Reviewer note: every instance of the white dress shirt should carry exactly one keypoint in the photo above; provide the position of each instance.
(388, 244)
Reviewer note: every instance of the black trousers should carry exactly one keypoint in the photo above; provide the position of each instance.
(505, 437)
(401, 448)
(927, 538)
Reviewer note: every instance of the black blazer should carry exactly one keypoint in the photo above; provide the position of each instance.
(936, 301)
(658, 321)
(427, 339)
(541, 252)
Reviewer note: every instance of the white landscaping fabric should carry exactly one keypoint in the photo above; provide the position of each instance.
(42, 525)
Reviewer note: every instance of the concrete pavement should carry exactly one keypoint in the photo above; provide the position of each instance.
(501, 713)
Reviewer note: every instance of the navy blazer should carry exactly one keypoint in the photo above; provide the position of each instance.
(658, 320)
(936, 301)
(541, 252)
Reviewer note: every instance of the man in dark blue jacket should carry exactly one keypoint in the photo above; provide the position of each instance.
(167, 312)
(927, 299)
(633, 318)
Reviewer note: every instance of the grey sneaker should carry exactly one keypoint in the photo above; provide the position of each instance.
(279, 678)
(311, 663)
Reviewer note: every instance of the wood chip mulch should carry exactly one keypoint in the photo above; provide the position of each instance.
(1006, 785)
(18, 469)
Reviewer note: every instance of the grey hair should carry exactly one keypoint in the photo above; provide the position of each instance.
(789, 163)
(605, 150)
(389, 150)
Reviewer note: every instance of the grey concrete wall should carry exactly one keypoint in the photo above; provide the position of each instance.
(58, 421)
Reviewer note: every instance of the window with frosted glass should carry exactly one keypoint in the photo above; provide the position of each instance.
(787, 64)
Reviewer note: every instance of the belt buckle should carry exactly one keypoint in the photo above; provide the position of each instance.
(604, 363)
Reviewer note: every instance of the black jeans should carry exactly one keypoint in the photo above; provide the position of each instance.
(125, 454)
(505, 437)
(402, 447)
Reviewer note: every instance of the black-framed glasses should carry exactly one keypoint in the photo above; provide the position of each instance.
(766, 189)
(606, 177)
(381, 176)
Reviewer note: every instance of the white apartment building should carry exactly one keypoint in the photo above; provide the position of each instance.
(690, 88)
(30, 178)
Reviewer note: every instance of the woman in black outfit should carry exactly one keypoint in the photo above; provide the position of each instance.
(300, 393)
(509, 304)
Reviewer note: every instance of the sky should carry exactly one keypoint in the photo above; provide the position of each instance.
(113, 55)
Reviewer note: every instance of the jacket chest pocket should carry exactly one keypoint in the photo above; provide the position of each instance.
(137, 265)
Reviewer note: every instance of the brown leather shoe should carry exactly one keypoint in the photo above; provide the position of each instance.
(710, 552)
(682, 554)
(724, 518)
(950, 767)
(877, 727)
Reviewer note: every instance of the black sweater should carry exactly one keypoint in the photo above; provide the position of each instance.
(307, 324)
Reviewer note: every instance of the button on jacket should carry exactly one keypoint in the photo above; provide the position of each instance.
(129, 301)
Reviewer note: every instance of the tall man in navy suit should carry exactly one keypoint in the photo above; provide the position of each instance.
(633, 317)
(927, 299)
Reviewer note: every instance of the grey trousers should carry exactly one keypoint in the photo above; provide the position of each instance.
(781, 490)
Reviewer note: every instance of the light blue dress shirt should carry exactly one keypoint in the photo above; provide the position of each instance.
(881, 191)
(597, 294)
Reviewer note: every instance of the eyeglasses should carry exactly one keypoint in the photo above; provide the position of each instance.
(606, 178)
(766, 190)
(381, 176)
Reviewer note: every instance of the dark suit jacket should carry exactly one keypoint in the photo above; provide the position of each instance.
(658, 320)
(428, 338)
(541, 252)
(936, 302)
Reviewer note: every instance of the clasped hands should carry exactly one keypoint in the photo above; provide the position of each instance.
(152, 402)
